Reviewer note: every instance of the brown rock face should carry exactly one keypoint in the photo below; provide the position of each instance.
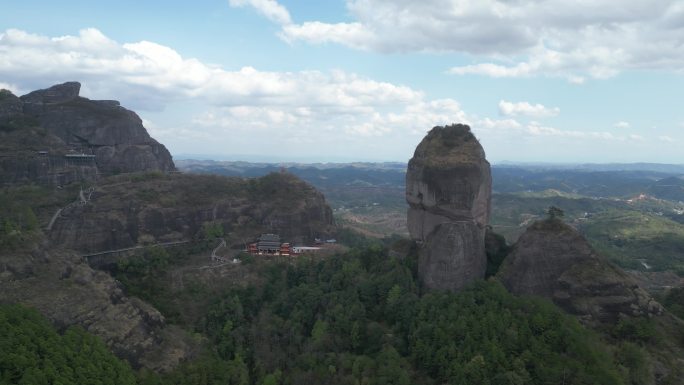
(552, 260)
(448, 189)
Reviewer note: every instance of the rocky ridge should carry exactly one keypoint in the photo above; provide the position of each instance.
(448, 189)
(154, 208)
(51, 123)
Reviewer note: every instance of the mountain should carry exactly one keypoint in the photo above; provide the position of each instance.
(126, 211)
(87, 190)
(54, 136)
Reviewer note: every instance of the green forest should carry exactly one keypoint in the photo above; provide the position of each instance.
(33, 353)
(356, 318)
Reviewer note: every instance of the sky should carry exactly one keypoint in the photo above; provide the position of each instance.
(555, 81)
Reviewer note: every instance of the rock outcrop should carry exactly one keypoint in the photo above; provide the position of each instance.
(52, 123)
(153, 208)
(448, 189)
(67, 291)
(552, 260)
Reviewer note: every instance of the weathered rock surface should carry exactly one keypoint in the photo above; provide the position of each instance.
(124, 212)
(67, 123)
(552, 260)
(448, 189)
(66, 290)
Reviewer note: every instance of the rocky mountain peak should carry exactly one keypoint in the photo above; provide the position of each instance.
(59, 93)
(553, 260)
(44, 132)
(446, 145)
(448, 189)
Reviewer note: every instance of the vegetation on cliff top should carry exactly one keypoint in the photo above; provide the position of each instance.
(446, 145)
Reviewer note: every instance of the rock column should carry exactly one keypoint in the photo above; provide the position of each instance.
(448, 189)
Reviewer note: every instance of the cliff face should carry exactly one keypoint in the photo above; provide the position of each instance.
(552, 260)
(448, 189)
(66, 290)
(123, 212)
(56, 121)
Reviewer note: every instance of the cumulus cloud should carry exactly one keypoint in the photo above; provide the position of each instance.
(526, 109)
(293, 107)
(147, 70)
(596, 39)
(622, 124)
(235, 109)
(269, 8)
(667, 139)
(534, 128)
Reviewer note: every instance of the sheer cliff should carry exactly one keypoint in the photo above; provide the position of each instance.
(55, 136)
(448, 189)
(126, 210)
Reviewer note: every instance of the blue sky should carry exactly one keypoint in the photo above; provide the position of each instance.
(550, 81)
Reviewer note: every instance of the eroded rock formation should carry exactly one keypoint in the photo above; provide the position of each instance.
(448, 189)
(552, 260)
(123, 212)
(40, 128)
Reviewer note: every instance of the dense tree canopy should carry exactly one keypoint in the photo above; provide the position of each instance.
(356, 318)
(359, 319)
(32, 352)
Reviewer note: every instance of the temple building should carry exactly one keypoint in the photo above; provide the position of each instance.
(268, 244)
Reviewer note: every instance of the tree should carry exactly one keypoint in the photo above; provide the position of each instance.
(554, 212)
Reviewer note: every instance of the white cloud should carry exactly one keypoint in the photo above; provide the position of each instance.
(232, 110)
(352, 34)
(622, 124)
(526, 109)
(590, 39)
(269, 8)
(145, 72)
(10, 87)
(665, 138)
(494, 70)
(537, 129)
(290, 106)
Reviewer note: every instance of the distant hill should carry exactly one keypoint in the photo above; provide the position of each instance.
(591, 180)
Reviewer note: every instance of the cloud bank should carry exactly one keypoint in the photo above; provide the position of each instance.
(574, 40)
(221, 109)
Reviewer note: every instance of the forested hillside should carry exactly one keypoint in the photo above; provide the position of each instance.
(359, 318)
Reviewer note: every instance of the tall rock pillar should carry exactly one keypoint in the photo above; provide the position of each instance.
(448, 189)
